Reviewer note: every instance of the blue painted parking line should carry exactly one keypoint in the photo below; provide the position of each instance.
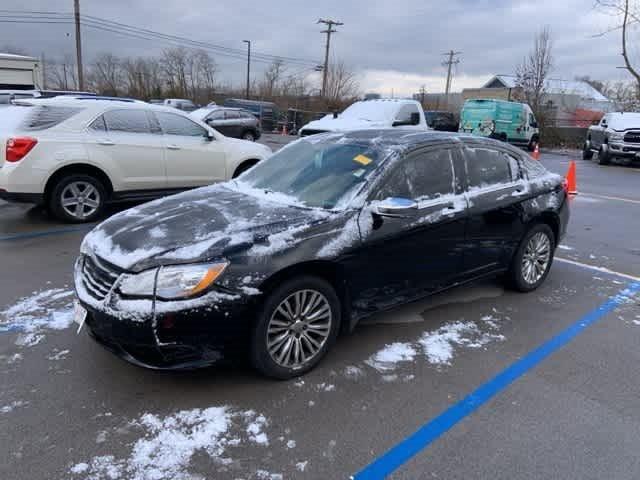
(431, 431)
(43, 233)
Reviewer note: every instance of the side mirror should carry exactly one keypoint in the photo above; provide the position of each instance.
(209, 136)
(395, 207)
(534, 124)
(415, 118)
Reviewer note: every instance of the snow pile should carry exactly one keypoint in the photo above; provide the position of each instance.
(102, 245)
(264, 195)
(31, 316)
(168, 445)
(12, 406)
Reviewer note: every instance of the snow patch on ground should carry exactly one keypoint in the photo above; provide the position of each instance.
(58, 355)
(438, 346)
(392, 354)
(12, 406)
(33, 315)
(301, 466)
(565, 247)
(168, 444)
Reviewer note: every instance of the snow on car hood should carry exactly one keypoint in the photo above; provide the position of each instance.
(196, 226)
(330, 124)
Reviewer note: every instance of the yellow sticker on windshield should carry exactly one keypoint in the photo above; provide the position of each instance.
(362, 159)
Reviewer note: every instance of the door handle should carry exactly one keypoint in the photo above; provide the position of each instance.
(173, 147)
(105, 142)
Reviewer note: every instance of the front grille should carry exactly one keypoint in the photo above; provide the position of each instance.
(632, 137)
(306, 132)
(98, 277)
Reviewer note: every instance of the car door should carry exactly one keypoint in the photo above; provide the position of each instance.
(495, 190)
(193, 158)
(122, 140)
(233, 122)
(421, 252)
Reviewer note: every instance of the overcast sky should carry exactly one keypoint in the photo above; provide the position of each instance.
(393, 45)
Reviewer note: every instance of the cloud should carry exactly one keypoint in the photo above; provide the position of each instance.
(391, 44)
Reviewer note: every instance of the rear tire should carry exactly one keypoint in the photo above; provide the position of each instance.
(532, 261)
(283, 336)
(77, 198)
(587, 153)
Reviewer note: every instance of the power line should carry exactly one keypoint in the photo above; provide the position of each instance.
(97, 23)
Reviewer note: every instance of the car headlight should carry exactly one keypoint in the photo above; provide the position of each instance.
(171, 283)
(616, 136)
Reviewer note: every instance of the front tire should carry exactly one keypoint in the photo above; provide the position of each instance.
(532, 261)
(249, 136)
(296, 327)
(587, 153)
(77, 198)
(603, 155)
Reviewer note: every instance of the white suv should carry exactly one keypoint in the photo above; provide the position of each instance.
(75, 155)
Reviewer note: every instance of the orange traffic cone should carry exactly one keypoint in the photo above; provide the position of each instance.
(570, 178)
(536, 153)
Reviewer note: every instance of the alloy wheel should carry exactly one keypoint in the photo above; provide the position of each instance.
(80, 199)
(535, 260)
(299, 328)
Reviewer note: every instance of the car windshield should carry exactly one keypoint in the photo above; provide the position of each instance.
(371, 110)
(318, 173)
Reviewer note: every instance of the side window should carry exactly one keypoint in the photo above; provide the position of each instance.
(395, 184)
(98, 125)
(129, 121)
(404, 115)
(430, 174)
(487, 167)
(532, 120)
(173, 124)
(216, 116)
(231, 115)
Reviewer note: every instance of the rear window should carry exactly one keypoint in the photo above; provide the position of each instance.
(533, 167)
(41, 117)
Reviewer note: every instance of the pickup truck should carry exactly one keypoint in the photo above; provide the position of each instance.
(617, 135)
(382, 113)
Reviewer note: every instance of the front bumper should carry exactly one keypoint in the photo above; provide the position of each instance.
(621, 149)
(166, 335)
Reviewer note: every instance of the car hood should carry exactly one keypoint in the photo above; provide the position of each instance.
(340, 124)
(196, 226)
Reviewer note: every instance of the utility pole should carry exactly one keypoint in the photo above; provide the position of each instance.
(330, 24)
(76, 13)
(248, 42)
(423, 92)
(449, 63)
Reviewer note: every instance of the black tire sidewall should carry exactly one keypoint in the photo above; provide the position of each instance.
(260, 358)
(55, 199)
(603, 156)
(516, 279)
(587, 154)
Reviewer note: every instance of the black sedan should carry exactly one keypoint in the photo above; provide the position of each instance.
(332, 228)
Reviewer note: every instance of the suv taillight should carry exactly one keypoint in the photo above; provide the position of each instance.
(18, 147)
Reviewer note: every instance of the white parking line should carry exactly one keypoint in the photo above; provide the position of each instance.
(598, 269)
(607, 197)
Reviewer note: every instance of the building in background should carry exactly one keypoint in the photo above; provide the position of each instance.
(18, 72)
(571, 103)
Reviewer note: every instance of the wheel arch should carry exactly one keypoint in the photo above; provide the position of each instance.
(326, 270)
(551, 219)
(77, 168)
(244, 165)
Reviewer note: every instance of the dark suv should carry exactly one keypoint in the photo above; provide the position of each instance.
(234, 122)
(441, 121)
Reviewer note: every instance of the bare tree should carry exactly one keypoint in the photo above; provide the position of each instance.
(268, 87)
(533, 73)
(627, 11)
(61, 75)
(105, 75)
(342, 83)
(174, 61)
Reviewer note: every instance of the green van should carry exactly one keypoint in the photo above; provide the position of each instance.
(511, 122)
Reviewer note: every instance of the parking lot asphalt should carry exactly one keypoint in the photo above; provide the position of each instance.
(71, 410)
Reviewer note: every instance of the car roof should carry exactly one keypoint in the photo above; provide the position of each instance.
(394, 138)
(95, 103)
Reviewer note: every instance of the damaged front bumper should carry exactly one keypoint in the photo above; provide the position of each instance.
(166, 335)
